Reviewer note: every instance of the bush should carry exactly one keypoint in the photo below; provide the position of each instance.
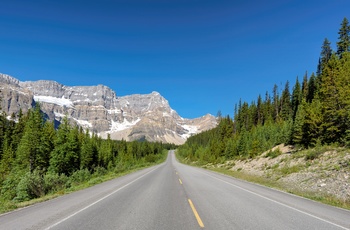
(286, 170)
(151, 158)
(8, 188)
(99, 171)
(274, 154)
(79, 176)
(54, 182)
(313, 154)
(30, 186)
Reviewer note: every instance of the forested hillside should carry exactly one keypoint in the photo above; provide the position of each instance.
(36, 159)
(314, 111)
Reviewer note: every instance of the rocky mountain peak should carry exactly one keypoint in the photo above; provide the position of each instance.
(97, 108)
(6, 79)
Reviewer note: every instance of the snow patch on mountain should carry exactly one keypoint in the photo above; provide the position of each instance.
(191, 130)
(84, 124)
(54, 100)
(116, 126)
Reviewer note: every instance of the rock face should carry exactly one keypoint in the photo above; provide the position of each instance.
(13, 97)
(97, 108)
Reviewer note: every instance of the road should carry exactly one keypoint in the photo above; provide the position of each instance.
(176, 196)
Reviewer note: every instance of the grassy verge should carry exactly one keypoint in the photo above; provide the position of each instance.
(7, 206)
(272, 183)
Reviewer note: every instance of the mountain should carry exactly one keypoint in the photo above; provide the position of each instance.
(98, 108)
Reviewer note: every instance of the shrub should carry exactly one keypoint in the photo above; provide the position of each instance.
(30, 186)
(286, 170)
(54, 182)
(79, 176)
(8, 189)
(99, 171)
(151, 158)
(312, 154)
(274, 154)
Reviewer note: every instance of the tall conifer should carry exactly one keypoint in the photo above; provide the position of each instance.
(343, 44)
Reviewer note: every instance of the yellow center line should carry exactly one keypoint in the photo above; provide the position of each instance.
(199, 220)
(180, 181)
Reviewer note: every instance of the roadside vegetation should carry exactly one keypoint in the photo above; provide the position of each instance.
(313, 115)
(38, 162)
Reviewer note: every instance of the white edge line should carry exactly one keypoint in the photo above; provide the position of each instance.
(110, 194)
(277, 202)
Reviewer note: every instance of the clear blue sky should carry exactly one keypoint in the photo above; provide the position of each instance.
(202, 56)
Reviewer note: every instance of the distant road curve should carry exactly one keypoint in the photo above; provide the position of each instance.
(176, 196)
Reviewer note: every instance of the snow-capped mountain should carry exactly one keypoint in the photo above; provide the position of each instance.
(97, 108)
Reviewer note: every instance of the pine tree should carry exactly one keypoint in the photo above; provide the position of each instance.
(88, 157)
(343, 44)
(268, 109)
(296, 98)
(285, 103)
(105, 152)
(19, 128)
(72, 148)
(57, 160)
(276, 102)
(259, 111)
(312, 88)
(326, 53)
(334, 94)
(305, 87)
(297, 130)
(46, 145)
(312, 125)
(28, 148)
(6, 162)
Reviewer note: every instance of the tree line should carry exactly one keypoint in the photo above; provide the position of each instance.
(315, 111)
(37, 159)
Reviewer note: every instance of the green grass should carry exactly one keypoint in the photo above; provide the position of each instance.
(286, 170)
(7, 205)
(274, 154)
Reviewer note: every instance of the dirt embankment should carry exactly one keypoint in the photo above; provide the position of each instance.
(323, 171)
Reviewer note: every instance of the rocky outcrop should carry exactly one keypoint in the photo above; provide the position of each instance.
(13, 97)
(97, 108)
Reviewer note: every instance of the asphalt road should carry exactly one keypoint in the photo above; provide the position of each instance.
(177, 196)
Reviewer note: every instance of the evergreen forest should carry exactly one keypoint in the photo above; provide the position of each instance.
(314, 111)
(36, 159)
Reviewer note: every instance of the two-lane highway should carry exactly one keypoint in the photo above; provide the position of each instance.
(176, 196)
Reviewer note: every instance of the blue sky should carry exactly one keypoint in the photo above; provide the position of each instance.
(202, 56)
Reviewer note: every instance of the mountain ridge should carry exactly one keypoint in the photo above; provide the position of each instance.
(99, 109)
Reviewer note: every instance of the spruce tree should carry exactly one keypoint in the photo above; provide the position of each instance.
(276, 102)
(297, 130)
(312, 88)
(312, 124)
(343, 44)
(305, 87)
(72, 148)
(88, 153)
(296, 98)
(259, 111)
(326, 53)
(285, 103)
(57, 160)
(28, 148)
(105, 152)
(334, 93)
(6, 162)
(46, 145)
